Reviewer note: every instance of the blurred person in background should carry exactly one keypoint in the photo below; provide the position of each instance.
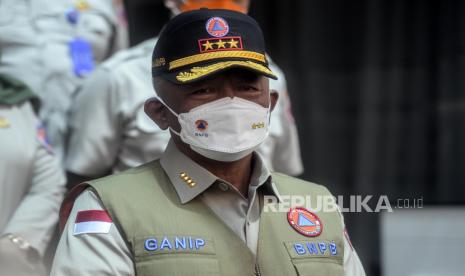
(52, 45)
(109, 131)
(31, 183)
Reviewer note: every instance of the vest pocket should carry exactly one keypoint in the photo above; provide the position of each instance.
(179, 265)
(321, 267)
(316, 257)
(175, 255)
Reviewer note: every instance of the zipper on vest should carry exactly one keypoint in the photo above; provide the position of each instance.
(257, 270)
(257, 266)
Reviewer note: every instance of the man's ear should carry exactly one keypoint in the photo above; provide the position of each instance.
(157, 112)
(274, 96)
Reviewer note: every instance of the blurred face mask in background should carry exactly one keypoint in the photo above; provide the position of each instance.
(212, 4)
(178, 6)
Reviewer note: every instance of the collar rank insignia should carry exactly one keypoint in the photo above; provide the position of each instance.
(217, 27)
(4, 123)
(228, 43)
(304, 222)
(82, 5)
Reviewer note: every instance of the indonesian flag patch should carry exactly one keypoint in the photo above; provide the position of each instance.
(92, 221)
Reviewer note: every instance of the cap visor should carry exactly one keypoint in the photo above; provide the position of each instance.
(198, 73)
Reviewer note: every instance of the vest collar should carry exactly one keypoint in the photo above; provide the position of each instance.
(176, 165)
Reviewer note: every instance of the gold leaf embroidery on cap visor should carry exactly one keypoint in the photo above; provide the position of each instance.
(215, 55)
(197, 72)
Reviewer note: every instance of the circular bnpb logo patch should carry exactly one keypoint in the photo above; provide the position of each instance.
(217, 27)
(201, 125)
(304, 222)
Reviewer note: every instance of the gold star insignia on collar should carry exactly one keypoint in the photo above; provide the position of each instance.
(4, 123)
(82, 5)
(187, 179)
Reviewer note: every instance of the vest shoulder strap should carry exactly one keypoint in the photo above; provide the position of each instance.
(293, 186)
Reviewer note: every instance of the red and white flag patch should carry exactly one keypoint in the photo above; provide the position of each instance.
(92, 221)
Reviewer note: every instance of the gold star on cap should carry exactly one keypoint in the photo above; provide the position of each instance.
(220, 44)
(208, 45)
(233, 43)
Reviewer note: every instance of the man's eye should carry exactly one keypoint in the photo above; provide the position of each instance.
(246, 88)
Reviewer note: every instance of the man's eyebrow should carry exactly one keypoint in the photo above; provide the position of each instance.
(249, 77)
(194, 85)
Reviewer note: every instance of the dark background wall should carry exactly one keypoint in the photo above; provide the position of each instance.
(378, 92)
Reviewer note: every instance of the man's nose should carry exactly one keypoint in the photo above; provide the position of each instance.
(227, 90)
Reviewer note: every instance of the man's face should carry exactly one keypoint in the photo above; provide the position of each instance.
(182, 98)
(233, 83)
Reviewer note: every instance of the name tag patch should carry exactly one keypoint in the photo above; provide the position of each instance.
(314, 249)
(81, 56)
(166, 244)
(176, 243)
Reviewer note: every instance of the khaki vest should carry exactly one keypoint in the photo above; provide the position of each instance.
(170, 238)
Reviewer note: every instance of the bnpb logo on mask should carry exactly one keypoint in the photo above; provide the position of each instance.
(201, 126)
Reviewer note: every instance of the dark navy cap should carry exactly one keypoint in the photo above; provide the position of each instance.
(199, 43)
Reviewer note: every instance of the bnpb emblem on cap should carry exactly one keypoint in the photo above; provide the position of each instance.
(304, 222)
(217, 27)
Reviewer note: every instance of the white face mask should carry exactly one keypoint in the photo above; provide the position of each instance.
(225, 130)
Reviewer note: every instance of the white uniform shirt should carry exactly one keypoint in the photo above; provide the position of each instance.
(109, 130)
(31, 180)
(35, 37)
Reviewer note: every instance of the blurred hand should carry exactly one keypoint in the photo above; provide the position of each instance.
(18, 262)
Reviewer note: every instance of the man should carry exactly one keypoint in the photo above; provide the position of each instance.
(31, 183)
(51, 45)
(121, 135)
(126, 137)
(199, 210)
